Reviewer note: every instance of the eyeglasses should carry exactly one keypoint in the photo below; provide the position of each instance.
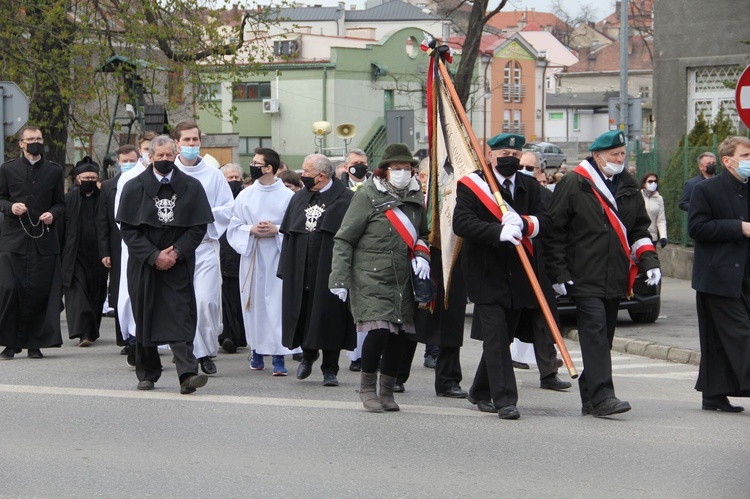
(31, 140)
(650, 181)
(528, 168)
(395, 169)
(258, 165)
(88, 179)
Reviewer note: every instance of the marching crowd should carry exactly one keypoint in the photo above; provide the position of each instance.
(193, 258)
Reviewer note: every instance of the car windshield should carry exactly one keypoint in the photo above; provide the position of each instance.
(532, 147)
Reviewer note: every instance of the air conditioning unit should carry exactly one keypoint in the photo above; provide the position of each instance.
(270, 106)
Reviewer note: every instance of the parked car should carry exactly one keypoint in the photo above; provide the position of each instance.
(643, 306)
(550, 155)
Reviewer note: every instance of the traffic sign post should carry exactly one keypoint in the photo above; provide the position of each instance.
(742, 97)
(14, 111)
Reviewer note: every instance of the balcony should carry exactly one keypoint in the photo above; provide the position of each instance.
(514, 127)
(514, 92)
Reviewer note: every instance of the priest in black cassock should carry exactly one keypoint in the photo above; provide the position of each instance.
(313, 317)
(163, 218)
(32, 200)
(84, 275)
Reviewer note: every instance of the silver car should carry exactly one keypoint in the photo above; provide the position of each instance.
(550, 155)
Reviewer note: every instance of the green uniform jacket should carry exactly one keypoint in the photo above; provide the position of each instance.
(582, 246)
(372, 260)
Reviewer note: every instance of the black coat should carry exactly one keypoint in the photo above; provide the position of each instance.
(492, 269)
(687, 191)
(163, 300)
(306, 261)
(718, 207)
(40, 188)
(109, 234)
(72, 241)
(584, 248)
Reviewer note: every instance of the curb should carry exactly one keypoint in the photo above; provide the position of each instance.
(648, 349)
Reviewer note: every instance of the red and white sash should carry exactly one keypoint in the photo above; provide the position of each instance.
(406, 230)
(601, 191)
(481, 190)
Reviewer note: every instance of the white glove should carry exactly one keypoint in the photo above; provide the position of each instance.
(654, 276)
(342, 293)
(421, 267)
(513, 218)
(560, 288)
(511, 234)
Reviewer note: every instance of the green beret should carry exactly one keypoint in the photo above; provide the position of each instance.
(397, 153)
(609, 140)
(506, 141)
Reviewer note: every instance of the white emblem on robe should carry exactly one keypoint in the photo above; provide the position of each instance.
(312, 214)
(165, 209)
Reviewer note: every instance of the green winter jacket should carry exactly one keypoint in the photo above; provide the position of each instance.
(371, 259)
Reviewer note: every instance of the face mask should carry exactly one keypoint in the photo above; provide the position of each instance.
(126, 166)
(743, 169)
(359, 170)
(308, 182)
(35, 148)
(236, 187)
(88, 186)
(507, 165)
(526, 172)
(400, 178)
(613, 168)
(164, 167)
(145, 158)
(255, 172)
(190, 152)
(651, 187)
(711, 169)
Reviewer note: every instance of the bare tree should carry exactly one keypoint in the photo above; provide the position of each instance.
(565, 30)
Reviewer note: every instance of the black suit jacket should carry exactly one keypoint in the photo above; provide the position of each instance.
(40, 188)
(687, 191)
(492, 270)
(718, 207)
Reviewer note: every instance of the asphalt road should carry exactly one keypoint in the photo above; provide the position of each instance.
(73, 425)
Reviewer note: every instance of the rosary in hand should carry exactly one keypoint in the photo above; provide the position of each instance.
(33, 225)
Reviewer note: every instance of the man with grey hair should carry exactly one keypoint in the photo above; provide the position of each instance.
(312, 317)
(232, 172)
(356, 168)
(707, 167)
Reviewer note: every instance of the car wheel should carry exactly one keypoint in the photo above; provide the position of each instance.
(645, 315)
(543, 165)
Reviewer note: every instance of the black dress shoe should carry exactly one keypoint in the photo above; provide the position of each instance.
(35, 353)
(398, 387)
(552, 382)
(356, 366)
(720, 403)
(125, 350)
(207, 365)
(228, 346)
(508, 412)
(610, 406)
(8, 353)
(520, 365)
(145, 385)
(330, 379)
(586, 408)
(85, 342)
(192, 382)
(304, 369)
(483, 405)
(455, 392)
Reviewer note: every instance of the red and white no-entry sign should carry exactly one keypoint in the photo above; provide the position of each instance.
(742, 96)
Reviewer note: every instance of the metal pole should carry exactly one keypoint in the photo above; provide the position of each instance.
(624, 4)
(2, 124)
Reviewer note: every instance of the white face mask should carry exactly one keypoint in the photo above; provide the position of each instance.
(526, 172)
(399, 178)
(613, 168)
(145, 159)
(651, 187)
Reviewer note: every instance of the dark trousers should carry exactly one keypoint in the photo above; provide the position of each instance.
(330, 362)
(597, 318)
(544, 345)
(495, 378)
(148, 363)
(383, 348)
(448, 369)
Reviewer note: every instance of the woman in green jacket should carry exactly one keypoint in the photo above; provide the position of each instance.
(373, 266)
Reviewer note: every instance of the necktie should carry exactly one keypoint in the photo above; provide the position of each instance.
(508, 187)
(164, 180)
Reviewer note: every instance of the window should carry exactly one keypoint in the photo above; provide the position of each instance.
(211, 93)
(645, 92)
(514, 125)
(175, 86)
(709, 88)
(82, 148)
(248, 144)
(576, 122)
(251, 91)
(513, 90)
(556, 116)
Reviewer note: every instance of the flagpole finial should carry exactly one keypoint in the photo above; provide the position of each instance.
(431, 47)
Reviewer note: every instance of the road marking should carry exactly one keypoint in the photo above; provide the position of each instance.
(674, 375)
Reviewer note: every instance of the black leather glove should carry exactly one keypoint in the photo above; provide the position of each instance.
(663, 241)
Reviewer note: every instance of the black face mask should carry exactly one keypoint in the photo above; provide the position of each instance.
(88, 186)
(359, 170)
(256, 172)
(711, 169)
(164, 167)
(236, 187)
(35, 148)
(308, 182)
(507, 165)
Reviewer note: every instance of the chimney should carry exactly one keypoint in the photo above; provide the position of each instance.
(235, 7)
(353, 6)
(618, 4)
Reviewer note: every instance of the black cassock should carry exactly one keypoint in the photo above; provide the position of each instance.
(84, 275)
(231, 302)
(163, 300)
(313, 317)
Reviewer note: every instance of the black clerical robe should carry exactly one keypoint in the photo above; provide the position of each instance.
(163, 300)
(312, 317)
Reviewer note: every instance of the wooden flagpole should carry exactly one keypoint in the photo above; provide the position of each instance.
(490, 178)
